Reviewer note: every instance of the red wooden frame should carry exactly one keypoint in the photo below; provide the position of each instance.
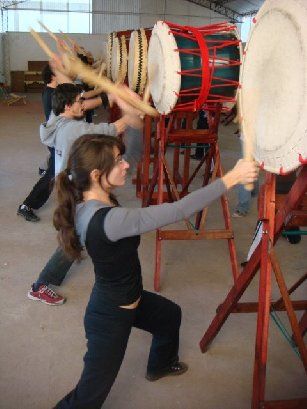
(207, 51)
(162, 178)
(265, 258)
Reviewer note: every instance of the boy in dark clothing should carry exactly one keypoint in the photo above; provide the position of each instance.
(42, 189)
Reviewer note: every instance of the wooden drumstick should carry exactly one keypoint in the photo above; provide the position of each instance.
(48, 31)
(247, 142)
(42, 44)
(73, 43)
(146, 96)
(97, 63)
(247, 155)
(60, 42)
(76, 67)
(67, 38)
(101, 70)
(89, 76)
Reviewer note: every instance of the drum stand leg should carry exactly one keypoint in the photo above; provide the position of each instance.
(303, 324)
(143, 169)
(264, 257)
(161, 134)
(228, 226)
(168, 181)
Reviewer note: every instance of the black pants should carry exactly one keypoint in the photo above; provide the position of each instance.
(107, 330)
(43, 188)
(55, 270)
(202, 123)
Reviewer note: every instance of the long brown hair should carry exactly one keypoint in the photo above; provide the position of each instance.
(88, 152)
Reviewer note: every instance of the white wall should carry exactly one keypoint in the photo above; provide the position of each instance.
(21, 48)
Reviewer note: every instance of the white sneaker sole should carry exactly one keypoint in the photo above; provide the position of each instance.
(43, 301)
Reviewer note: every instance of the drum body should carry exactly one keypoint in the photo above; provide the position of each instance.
(119, 60)
(273, 94)
(189, 66)
(109, 51)
(221, 70)
(137, 61)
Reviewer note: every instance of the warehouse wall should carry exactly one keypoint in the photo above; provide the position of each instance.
(116, 15)
(21, 47)
(177, 11)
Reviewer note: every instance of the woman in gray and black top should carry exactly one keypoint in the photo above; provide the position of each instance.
(88, 215)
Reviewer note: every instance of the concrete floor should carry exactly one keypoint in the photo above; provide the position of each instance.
(42, 346)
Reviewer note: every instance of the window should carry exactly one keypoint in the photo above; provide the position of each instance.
(245, 28)
(69, 16)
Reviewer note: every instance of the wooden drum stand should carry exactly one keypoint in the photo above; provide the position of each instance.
(163, 185)
(291, 210)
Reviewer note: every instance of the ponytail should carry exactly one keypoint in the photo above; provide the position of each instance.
(64, 216)
(87, 153)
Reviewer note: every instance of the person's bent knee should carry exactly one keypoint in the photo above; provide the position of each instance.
(176, 315)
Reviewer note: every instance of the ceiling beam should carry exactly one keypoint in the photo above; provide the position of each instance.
(222, 2)
(250, 13)
(218, 7)
(6, 4)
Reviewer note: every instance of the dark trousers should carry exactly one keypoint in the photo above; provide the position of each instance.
(42, 189)
(107, 330)
(202, 123)
(55, 270)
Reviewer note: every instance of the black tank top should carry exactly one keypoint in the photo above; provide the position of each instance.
(116, 264)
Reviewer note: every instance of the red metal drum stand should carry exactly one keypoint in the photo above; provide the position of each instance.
(291, 210)
(166, 182)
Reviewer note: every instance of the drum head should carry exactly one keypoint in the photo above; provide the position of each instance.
(137, 61)
(119, 60)
(273, 97)
(163, 68)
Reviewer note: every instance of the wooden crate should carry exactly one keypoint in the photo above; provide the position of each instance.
(17, 81)
(36, 65)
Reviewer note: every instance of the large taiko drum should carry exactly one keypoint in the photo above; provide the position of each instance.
(188, 66)
(273, 97)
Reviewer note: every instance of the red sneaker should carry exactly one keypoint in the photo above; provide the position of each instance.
(46, 295)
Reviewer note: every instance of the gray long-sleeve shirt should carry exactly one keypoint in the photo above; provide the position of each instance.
(121, 222)
(60, 133)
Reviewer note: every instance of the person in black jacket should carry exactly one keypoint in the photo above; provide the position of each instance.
(42, 189)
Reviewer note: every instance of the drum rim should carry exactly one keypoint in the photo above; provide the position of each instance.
(161, 28)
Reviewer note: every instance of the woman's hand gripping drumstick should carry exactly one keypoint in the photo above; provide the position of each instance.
(235, 116)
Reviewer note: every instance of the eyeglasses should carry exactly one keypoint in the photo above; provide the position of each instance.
(119, 160)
